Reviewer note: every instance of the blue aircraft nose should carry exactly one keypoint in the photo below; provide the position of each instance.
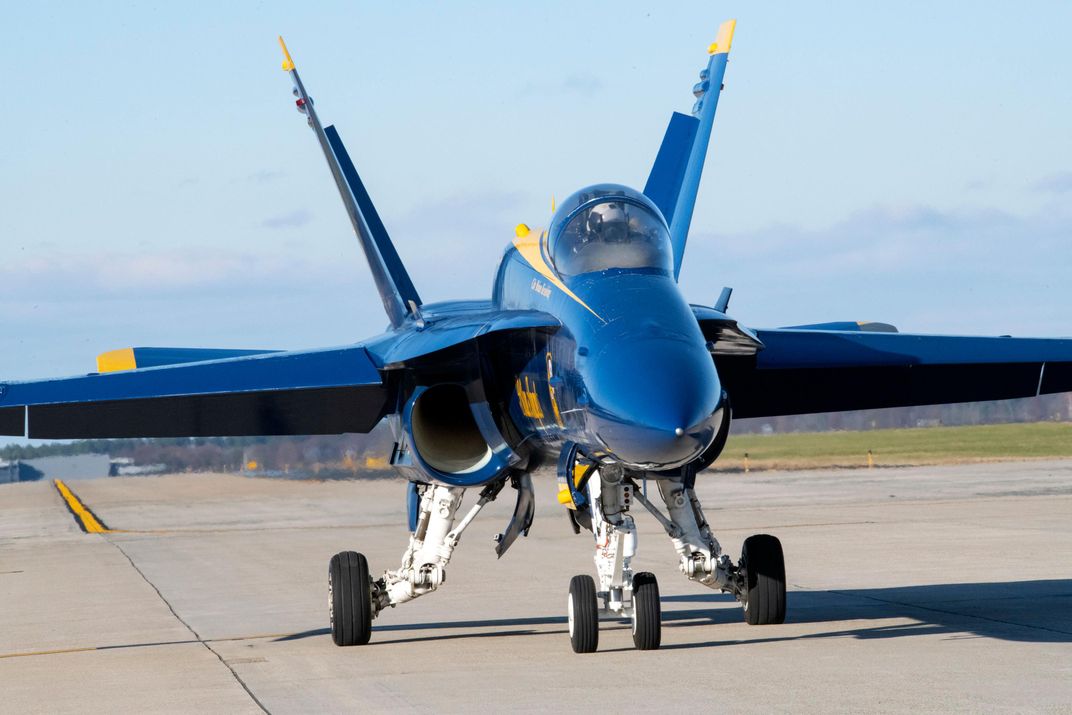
(654, 401)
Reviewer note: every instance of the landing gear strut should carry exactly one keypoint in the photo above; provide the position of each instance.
(354, 598)
(607, 496)
(758, 581)
(599, 496)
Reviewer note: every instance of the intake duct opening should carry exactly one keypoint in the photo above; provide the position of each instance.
(444, 432)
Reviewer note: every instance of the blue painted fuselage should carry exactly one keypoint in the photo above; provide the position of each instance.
(628, 377)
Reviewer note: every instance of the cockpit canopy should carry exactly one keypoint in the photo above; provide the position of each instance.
(608, 226)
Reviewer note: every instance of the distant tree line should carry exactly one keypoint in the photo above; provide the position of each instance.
(1032, 409)
(354, 453)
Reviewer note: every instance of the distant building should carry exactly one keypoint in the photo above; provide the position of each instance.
(125, 467)
(79, 466)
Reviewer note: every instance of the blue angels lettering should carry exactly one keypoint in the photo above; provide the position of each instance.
(586, 362)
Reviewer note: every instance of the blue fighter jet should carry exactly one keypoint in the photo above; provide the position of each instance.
(586, 360)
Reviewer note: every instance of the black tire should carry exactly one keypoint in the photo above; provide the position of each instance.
(583, 615)
(647, 612)
(764, 570)
(349, 599)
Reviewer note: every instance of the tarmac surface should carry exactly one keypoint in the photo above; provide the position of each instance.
(918, 589)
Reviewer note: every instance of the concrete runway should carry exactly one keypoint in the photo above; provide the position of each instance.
(923, 589)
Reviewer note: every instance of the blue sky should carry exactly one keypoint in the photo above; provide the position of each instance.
(907, 162)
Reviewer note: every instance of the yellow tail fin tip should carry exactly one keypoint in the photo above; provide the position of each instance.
(724, 39)
(288, 64)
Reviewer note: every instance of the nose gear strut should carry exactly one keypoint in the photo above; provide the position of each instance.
(598, 497)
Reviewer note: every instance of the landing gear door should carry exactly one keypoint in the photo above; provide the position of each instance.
(524, 510)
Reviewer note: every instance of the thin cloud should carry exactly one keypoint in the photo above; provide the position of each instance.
(478, 219)
(1059, 183)
(293, 219)
(85, 277)
(584, 85)
(264, 176)
(911, 265)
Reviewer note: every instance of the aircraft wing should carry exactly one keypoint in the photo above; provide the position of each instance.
(253, 393)
(800, 371)
(315, 392)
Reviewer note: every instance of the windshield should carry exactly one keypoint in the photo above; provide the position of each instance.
(612, 234)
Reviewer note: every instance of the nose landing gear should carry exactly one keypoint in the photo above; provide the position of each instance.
(605, 495)
(647, 613)
(583, 611)
(599, 497)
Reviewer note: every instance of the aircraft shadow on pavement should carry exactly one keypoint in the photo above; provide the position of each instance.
(1026, 611)
(442, 625)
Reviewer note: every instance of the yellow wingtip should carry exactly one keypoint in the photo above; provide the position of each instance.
(288, 64)
(724, 39)
(116, 360)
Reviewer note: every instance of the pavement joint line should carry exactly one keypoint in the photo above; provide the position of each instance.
(55, 651)
(89, 649)
(120, 646)
(195, 634)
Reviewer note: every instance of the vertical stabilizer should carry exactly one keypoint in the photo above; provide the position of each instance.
(675, 177)
(399, 296)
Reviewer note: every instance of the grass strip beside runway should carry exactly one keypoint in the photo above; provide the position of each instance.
(898, 447)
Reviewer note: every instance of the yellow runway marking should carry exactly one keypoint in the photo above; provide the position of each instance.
(85, 516)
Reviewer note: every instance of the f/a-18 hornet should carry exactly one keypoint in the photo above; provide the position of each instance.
(587, 359)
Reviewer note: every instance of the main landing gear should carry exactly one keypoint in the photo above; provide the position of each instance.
(600, 497)
(349, 599)
(355, 598)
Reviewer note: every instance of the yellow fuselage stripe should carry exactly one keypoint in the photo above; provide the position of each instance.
(89, 522)
(530, 249)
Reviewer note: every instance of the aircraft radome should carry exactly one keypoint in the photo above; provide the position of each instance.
(586, 358)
